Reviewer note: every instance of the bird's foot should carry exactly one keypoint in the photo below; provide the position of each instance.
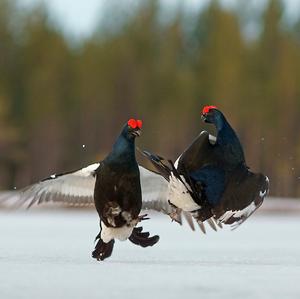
(103, 250)
(143, 239)
(143, 217)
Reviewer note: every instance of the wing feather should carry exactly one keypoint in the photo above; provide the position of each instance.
(72, 188)
(77, 188)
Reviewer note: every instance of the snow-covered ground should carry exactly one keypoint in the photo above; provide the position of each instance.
(47, 254)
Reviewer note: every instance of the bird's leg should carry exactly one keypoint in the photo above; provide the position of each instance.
(143, 239)
(103, 250)
(104, 246)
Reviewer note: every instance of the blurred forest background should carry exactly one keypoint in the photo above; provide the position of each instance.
(62, 104)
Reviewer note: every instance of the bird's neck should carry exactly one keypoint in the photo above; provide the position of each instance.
(123, 151)
(227, 138)
(224, 130)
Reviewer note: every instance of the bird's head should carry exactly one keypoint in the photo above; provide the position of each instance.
(133, 128)
(211, 114)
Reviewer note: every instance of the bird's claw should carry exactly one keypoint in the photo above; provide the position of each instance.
(103, 250)
(143, 217)
(143, 239)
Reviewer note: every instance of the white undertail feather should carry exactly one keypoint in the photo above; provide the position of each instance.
(121, 233)
(179, 195)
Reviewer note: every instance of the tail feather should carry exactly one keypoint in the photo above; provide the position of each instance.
(212, 224)
(188, 217)
(201, 226)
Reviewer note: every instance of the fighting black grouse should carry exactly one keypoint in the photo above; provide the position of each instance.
(211, 179)
(112, 185)
(118, 196)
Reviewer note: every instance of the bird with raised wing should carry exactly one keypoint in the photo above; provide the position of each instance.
(118, 195)
(210, 179)
(113, 186)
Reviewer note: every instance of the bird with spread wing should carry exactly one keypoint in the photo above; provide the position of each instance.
(210, 179)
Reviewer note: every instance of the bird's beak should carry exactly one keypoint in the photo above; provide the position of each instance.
(203, 117)
(137, 132)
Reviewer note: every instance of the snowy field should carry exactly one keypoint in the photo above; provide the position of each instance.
(47, 254)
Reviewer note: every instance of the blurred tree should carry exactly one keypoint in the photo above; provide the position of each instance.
(9, 137)
(61, 106)
(47, 94)
(275, 81)
(219, 61)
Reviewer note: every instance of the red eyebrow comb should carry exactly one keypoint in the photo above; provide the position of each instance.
(132, 123)
(206, 109)
(139, 123)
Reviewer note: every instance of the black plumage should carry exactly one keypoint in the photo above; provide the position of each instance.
(215, 175)
(118, 197)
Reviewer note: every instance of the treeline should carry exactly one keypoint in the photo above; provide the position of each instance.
(61, 106)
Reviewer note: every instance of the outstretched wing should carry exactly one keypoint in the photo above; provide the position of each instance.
(71, 188)
(76, 188)
(242, 197)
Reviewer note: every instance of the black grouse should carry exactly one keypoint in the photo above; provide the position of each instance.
(211, 179)
(118, 196)
(112, 185)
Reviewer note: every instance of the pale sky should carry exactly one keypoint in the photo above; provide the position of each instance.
(79, 17)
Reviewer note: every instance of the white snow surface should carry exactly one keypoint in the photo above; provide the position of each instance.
(47, 254)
